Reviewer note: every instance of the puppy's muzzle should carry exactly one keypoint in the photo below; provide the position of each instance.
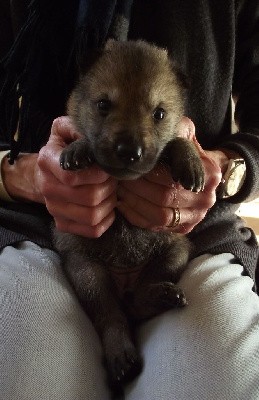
(128, 151)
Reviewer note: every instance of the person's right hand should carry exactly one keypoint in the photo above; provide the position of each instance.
(81, 202)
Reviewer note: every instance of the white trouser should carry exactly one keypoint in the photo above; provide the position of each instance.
(49, 350)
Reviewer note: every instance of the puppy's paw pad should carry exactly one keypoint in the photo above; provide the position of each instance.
(171, 295)
(123, 366)
(73, 159)
(191, 176)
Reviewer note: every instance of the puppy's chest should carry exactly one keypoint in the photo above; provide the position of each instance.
(123, 246)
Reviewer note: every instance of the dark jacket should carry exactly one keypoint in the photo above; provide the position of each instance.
(216, 44)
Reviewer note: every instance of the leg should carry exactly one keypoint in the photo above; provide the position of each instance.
(96, 293)
(155, 290)
(76, 155)
(186, 165)
(49, 348)
(208, 350)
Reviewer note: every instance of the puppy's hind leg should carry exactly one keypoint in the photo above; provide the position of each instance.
(156, 289)
(96, 294)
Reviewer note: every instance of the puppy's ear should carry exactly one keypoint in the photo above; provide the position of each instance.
(85, 63)
(92, 55)
(182, 78)
(110, 44)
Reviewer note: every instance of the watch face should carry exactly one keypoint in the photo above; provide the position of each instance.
(234, 177)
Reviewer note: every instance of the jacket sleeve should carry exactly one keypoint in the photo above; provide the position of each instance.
(6, 29)
(6, 40)
(246, 94)
(12, 16)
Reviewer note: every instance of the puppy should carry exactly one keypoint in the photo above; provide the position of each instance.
(127, 107)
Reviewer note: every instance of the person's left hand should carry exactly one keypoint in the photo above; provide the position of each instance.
(150, 201)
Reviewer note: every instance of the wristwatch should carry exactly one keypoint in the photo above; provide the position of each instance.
(232, 179)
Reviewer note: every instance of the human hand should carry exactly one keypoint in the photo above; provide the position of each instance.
(20, 179)
(81, 202)
(150, 201)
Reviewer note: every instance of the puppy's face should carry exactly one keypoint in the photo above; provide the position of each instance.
(128, 105)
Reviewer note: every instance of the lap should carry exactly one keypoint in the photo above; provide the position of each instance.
(207, 350)
(49, 347)
(210, 349)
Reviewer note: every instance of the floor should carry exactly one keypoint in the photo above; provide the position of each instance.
(250, 213)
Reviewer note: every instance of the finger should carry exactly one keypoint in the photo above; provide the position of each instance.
(156, 214)
(161, 175)
(158, 220)
(139, 220)
(186, 128)
(63, 131)
(213, 174)
(160, 195)
(86, 195)
(202, 200)
(164, 196)
(91, 216)
(48, 161)
(133, 217)
(189, 218)
(85, 230)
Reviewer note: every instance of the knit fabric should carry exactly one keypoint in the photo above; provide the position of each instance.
(39, 52)
(218, 50)
(209, 350)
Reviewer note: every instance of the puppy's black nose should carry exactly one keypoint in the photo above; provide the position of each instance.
(128, 151)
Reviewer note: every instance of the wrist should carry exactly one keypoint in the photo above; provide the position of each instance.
(20, 179)
(233, 175)
(4, 195)
(222, 157)
(227, 155)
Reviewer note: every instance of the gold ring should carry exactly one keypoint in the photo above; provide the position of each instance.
(177, 217)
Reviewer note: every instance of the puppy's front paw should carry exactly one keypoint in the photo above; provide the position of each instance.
(190, 174)
(75, 156)
(186, 164)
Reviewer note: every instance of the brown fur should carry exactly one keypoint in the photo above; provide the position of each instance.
(125, 139)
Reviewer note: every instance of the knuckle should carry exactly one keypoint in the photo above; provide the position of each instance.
(57, 124)
(167, 197)
(51, 209)
(96, 231)
(61, 225)
(214, 179)
(165, 216)
(200, 215)
(94, 217)
(91, 198)
(68, 178)
(45, 188)
(41, 160)
(209, 200)
(95, 195)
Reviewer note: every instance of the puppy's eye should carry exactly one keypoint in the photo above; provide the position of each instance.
(104, 106)
(158, 113)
